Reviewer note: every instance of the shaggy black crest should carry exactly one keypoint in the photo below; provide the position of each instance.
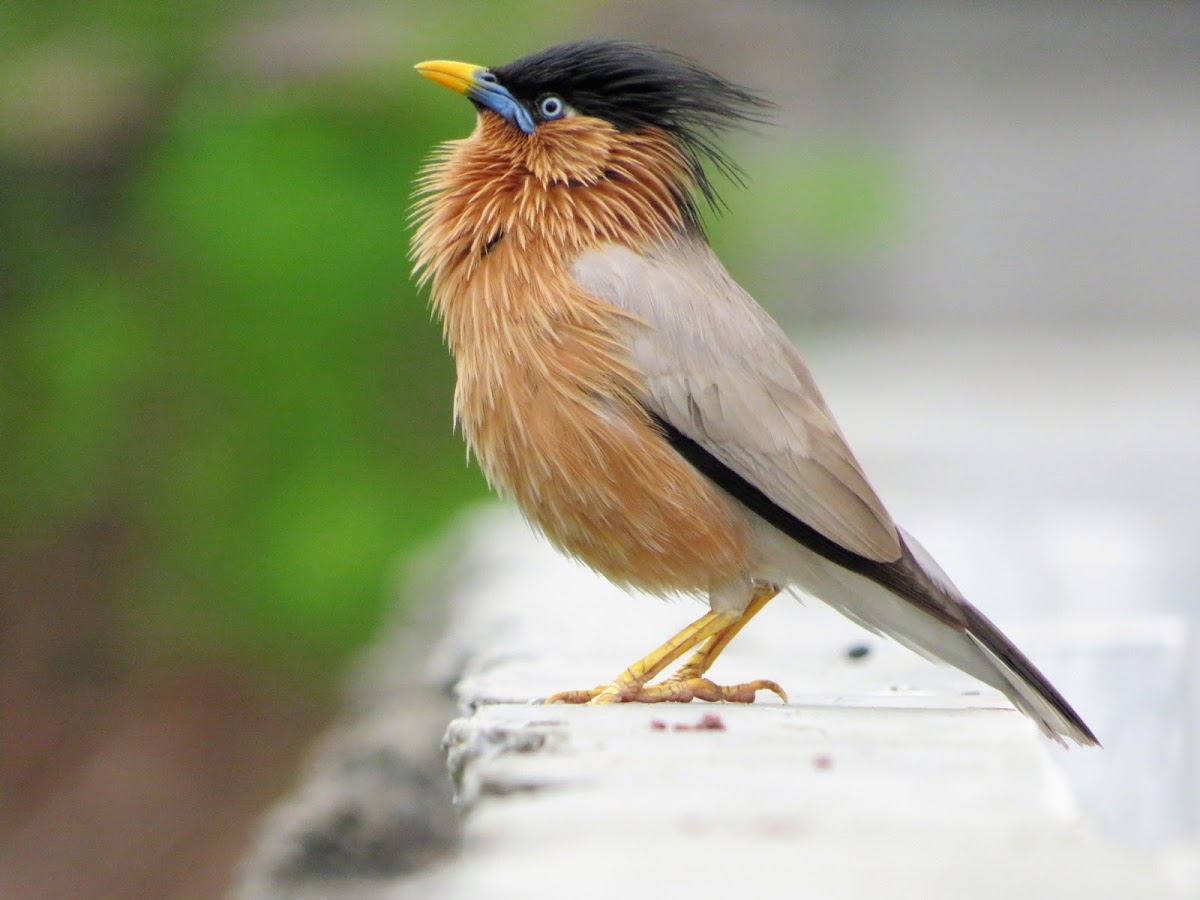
(636, 86)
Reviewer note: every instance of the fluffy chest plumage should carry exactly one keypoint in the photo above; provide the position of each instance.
(549, 404)
(547, 396)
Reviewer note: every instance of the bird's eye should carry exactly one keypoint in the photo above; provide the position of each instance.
(551, 107)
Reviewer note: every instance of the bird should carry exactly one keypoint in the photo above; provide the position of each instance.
(643, 411)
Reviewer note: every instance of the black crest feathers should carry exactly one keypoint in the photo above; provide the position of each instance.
(635, 86)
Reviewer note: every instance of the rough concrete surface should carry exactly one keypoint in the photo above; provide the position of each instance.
(883, 772)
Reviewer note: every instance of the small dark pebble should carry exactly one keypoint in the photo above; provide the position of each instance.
(858, 651)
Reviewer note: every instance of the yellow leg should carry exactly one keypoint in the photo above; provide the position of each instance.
(708, 652)
(713, 631)
(632, 679)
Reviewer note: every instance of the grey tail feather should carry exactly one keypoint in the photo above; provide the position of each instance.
(1011, 671)
(1029, 689)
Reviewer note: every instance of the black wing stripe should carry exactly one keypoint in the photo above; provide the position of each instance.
(894, 576)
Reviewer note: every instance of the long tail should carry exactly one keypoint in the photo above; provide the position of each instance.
(910, 599)
(1025, 685)
(997, 661)
(913, 601)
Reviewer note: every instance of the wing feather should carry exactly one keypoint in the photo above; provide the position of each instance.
(722, 372)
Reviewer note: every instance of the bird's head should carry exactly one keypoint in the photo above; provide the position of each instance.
(584, 112)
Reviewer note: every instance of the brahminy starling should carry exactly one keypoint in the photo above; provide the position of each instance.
(641, 409)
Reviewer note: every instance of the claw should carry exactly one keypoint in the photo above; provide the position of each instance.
(585, 696)
(685, 689)
(675, 689)
(710, 634)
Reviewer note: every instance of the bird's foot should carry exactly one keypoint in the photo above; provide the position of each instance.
(683, 689)
(679, 688)
(710, 633)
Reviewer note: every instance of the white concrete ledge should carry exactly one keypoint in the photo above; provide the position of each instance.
(885, 774)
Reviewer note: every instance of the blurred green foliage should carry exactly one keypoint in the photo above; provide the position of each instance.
(208, 333)
(310, 421)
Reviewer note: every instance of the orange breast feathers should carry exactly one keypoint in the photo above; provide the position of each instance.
(547, 398)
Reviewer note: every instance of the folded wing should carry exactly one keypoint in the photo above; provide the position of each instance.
(720, 371)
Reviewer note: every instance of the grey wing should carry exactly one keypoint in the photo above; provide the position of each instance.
(722, 372)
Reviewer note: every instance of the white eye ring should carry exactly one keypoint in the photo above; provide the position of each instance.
(551, 107)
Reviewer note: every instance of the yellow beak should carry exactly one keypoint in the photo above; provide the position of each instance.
(481, 87)
(457, 76)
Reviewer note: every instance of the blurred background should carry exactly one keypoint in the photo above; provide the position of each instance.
(225, 412)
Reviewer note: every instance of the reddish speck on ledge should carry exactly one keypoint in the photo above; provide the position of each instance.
(708, 722)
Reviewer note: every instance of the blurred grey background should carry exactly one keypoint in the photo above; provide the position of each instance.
(1034, 164)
